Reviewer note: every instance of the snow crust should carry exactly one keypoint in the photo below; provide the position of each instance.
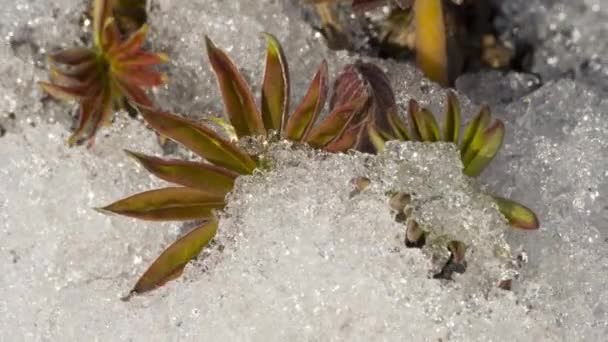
(301, 258)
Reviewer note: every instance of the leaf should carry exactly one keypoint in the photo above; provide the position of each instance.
(431, 43)
(210, 178)
(423, 123)
(398, 126)
(65, 93)
(474, 131)
(201, 140)
(144, 59)
(171, 263)
(142, 77)
(238, 100)
(275, 87)
(333, 124)
(131, 45)
(518, 215)
(168, 204)
(347, 139)
(136, 95)
(91, 110)
(377, 139)
(110, 35)
(451, 129)
(485, 149)
(73, 56)
(301, 121)
(85, 70)
(102, 11)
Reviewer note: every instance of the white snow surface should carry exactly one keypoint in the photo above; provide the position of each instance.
(301, 259)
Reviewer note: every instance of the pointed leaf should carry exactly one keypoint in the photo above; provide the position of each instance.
(110, 35)
(398, 126)
(60, 79)
(82, 71)
(518, 215)
(88, 112)
(275, 88)
(72, 56)
(451, 128)
(423, 123)
(168, 204)
(201, 140)
(474, 131)
(206, 177)
(131, 46)
(334, 124)
(347, 139)
(238, 100)
(136, 95)
(170, 264)
(142, 77)
(378, 139)
(144, 59)
(484, 149)
(64, 93)
(304, 117)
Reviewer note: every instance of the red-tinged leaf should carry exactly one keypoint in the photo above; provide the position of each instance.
(111, 35)
(201, 140)
(144, 59)
(347, 140)
(65, 93)
(131, 46)
(88, 112)
(206, 177)
(518, 215)
(85, 70)
(103, 116)
(275, 88)
(60, 79)
(484, 149)
(473, 134)
(170, 264)
(73, 56)
(141, 77)
(451, 128)
(334, 124)
(423, 122)
(301, 121)
(168, 204)
(350, 85)
(136, 95)
(238, 100)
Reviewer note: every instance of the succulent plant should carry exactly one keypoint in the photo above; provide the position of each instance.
(114, 73)
(204, 185)
(363, 114)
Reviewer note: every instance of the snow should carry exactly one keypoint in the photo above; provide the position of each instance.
(301, 258)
